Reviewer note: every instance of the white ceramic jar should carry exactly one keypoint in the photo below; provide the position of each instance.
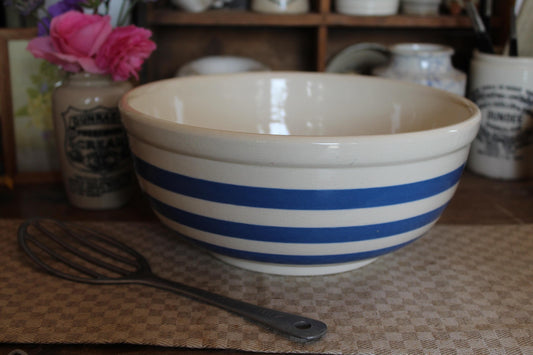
(426, 64)
(280, 6)
(420, 7)
(93, 148)
(367, 7)
(502, 87)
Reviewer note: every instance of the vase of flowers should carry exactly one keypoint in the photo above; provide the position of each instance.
(98, 61)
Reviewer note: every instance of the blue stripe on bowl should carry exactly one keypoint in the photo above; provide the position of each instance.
(294, 234)
(299, 259)
(295, 199)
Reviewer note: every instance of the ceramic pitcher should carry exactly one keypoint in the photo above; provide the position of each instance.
(425, 64)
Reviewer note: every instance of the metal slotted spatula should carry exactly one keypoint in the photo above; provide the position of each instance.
(83, 255)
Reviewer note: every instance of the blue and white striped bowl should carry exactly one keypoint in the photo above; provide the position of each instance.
(298, 173)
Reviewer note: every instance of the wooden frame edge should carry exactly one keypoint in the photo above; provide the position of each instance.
(6, 114)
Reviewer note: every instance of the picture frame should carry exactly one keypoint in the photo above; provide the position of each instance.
(27, 137)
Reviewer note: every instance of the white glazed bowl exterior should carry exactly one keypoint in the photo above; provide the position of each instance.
(298, 173)
(193, 5)
(220, 64)
(367, 7)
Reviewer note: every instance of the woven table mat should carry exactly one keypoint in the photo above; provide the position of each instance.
(459, 289)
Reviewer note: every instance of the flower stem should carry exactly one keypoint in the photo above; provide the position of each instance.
(123, 13)
(106, 4)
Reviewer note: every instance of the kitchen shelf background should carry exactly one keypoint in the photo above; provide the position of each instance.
(299, 42)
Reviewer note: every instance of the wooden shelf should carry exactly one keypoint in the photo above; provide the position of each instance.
(230, 18)
(405, 21)
(165, 17)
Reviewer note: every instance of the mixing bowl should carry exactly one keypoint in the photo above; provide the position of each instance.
(298, 173)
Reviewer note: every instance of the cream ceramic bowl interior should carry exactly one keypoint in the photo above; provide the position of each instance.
(298, 173)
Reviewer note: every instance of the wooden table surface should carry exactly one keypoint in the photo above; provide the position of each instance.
(478, 200)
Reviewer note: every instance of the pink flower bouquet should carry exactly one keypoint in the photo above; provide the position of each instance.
(78, 41)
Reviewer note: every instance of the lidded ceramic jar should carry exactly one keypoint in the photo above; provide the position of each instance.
(426, 64)
(93, 148)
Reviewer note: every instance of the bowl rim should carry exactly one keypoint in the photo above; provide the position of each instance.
(313, 150)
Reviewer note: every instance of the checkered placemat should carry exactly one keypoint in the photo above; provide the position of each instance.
(459, 289)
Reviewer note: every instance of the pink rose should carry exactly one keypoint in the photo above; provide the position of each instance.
(79, 34)
(74, 40)
(42, 47)
(124, 52)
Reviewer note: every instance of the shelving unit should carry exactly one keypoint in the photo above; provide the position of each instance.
(296, 42)
(247, 18)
